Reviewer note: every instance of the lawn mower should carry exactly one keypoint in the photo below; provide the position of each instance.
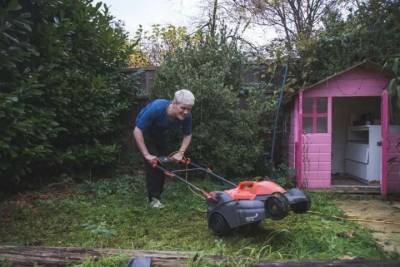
(247, 203)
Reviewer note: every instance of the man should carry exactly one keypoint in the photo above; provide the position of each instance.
(152, 124)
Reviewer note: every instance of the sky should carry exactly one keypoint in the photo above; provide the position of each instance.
(177, 12)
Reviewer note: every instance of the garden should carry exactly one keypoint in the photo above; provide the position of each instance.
(70, 88)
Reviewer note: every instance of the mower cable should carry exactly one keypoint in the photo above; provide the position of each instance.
(191, 189)
(352, 219)
(187, 160)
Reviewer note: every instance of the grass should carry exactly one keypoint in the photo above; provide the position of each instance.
(114, 213)
(113, 261)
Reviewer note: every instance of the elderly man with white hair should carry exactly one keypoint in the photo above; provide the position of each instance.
(152, 124)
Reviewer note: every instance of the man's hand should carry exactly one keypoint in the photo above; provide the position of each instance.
(150, 158)
(178, 156)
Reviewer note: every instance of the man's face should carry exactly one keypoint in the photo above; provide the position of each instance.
(182, 110)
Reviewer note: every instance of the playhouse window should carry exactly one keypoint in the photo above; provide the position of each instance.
(315, 115)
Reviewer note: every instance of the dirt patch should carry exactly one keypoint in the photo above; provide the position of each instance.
(382, 217)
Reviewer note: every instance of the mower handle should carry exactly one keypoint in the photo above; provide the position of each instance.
(155, 164)
(163, 160)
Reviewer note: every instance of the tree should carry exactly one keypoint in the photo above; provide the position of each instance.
(154, 45)
(370, 32)
(297, 20)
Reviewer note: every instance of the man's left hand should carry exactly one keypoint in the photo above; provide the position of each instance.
(178, 156)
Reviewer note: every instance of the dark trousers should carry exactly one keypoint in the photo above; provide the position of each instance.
(154, 177)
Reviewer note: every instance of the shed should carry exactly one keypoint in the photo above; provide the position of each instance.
(342, 128)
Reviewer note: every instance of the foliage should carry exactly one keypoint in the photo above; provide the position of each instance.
(296, 21)
(5, 264)
(370, 32)
(283, 175)
(224, 135)
(394, 87)
(153, 46)
(38, 218)
(62, 90)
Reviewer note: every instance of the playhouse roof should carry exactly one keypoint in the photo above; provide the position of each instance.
(366, 64)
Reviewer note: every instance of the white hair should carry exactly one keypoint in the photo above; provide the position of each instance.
(184, 97)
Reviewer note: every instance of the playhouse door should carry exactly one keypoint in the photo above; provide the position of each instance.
(390, 148)
(316, 142)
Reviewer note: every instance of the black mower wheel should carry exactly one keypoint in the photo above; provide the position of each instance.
(277, 206)
(302, 206)
(218, 224)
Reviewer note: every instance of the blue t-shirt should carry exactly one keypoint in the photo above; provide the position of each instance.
(154, 120)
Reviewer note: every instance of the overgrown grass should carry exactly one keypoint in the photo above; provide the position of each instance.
(114, 213)
(113, 261)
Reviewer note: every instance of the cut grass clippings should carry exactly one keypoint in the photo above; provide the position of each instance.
(114, 213)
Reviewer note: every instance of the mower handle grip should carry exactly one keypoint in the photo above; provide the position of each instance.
(165, 159)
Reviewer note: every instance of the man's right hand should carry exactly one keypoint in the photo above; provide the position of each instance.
(150, 158)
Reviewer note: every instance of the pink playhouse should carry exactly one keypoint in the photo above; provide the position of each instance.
(343, 129)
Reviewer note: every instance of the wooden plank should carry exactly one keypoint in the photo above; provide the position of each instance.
(63, 256)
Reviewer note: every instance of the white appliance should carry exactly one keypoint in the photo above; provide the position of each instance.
(364, 152)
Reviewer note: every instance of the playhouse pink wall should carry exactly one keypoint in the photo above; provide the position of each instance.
(311, 152)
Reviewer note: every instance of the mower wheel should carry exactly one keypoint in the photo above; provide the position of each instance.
(218, 224)
(302, 206)
(277, 206)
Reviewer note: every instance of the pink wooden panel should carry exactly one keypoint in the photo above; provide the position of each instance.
(318, 148)
(316, 160)
(357, 82)
(317, 138)
(320, 166)
(312, 159)
(385, 140)
(316, 156)
(318, 175)
(393, 166)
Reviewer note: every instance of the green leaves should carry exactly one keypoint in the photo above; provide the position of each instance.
(224, 135)
(60, 112)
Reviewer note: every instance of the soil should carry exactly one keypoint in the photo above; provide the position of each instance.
(387, 231)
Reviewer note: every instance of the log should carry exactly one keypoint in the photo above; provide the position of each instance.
(63, 256)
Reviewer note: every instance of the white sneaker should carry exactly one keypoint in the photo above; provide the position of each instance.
(155, 203)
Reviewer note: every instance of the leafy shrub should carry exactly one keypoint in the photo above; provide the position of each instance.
(283, 175)
(224, 136)
(62, 90)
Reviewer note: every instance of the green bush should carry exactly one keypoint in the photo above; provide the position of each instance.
(225, 136)
(62, 90)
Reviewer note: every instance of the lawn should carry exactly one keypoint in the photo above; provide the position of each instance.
(114, 213)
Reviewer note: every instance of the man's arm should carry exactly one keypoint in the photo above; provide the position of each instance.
(181, 152)
(138, 134)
